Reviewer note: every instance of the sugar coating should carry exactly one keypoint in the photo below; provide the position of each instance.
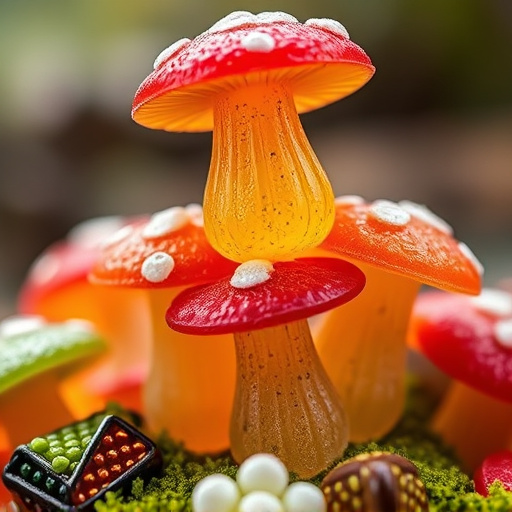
(328, 24)
(90, 233)
(215, 493)
(116, 237)
(80, 325)
(493, 302)
(260, 501)
(258, 42)
(304, 497)
(348, 200)
(165, 222)
(388, 212)
(422, 213)
(20, 324)
(240, 18)
(169, 51)
(195, 214)
(157, 267)
(45, 268)
(251, 273)
(262, 472)
(503, 332)
(468, 253)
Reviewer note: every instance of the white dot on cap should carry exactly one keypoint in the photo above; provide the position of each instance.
(195, 214)
(90, 233)
(468, 253)
(422, 213)
(304, 497)
(260, 501)
(20, 324)
(503, 332)
(157, 267)
(45, 268)
(348, 200)
(165, 222)
(275, 16)
(80, 325)
(328, 24)
(262, 472)
(116, 237)
(251, 273)
(493, 302)
(215, 493)
(388, 212)
(232, 20)
(258, 42)
(169, 51)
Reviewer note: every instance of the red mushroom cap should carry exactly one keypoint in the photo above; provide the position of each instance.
(497, 466)
(169, 250)
(294, 290)
(405, 240)
(316, 58)
(469, 338)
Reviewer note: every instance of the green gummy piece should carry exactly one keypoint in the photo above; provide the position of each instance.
(71, 443)
(72, 466)
(74, 454)
(25, 470)
(54, 452)
(51, 347)
(86, 440)
(37, 476)
(60, 464)
(70, 437)
(55, 443)
(39, 445)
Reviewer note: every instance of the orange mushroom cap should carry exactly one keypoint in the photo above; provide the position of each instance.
(404, 239)
(165, 251)
(316, 58)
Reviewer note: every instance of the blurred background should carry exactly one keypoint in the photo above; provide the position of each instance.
(434, 125)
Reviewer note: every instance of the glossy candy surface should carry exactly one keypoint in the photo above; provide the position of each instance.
(107, 454)
(496, 467)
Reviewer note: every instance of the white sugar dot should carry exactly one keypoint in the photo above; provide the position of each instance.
(215, 493)
(304, 497)
(260, 501)
(45, 268)
(232, 20)
(262, 472)
(80, 325)
(258, 42)
(91, 233)
(169, 51)
(275, 17)
(493, 302)
(195, 214)
(251, 273)
(116, 237)
(165, 222)
(468, 253)
(20, 324)
(157, 267)
(389, 213)
(348, 200)
(503, 332)
(422, 213)
(328, 24)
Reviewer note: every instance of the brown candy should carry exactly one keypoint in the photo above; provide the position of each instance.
(375, 482)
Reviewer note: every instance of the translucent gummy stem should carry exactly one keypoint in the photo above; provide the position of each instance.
(362, 345)
(267, 195)
(284, 402)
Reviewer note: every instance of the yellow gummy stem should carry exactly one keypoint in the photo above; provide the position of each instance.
(267, 195)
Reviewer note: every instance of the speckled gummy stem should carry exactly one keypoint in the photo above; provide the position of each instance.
(284, 402)
(267, 196)
(362, 345)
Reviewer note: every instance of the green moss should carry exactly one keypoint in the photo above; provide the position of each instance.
(449, 489)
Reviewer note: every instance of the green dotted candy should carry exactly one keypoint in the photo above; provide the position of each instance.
(60, 464)
(39, 445)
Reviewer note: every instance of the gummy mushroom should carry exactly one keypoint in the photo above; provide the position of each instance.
(496, 467)
(284, 403)
(247, 78)
(363, 344)
(57, 288)
(470, 339)
(35, 356)
(191, 381)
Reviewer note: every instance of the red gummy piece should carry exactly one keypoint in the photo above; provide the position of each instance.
(497, 466)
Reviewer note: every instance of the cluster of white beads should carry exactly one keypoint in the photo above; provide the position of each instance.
(261, 485)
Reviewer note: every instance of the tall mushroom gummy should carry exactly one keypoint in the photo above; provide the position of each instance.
(247, 77)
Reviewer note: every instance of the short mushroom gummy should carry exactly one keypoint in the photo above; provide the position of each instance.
(247, 77)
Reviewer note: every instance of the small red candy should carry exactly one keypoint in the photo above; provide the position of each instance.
(497, 466)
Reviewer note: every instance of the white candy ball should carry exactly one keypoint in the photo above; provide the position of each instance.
(260, 501)
(215, 493)
(304, 497)
(262, 472)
